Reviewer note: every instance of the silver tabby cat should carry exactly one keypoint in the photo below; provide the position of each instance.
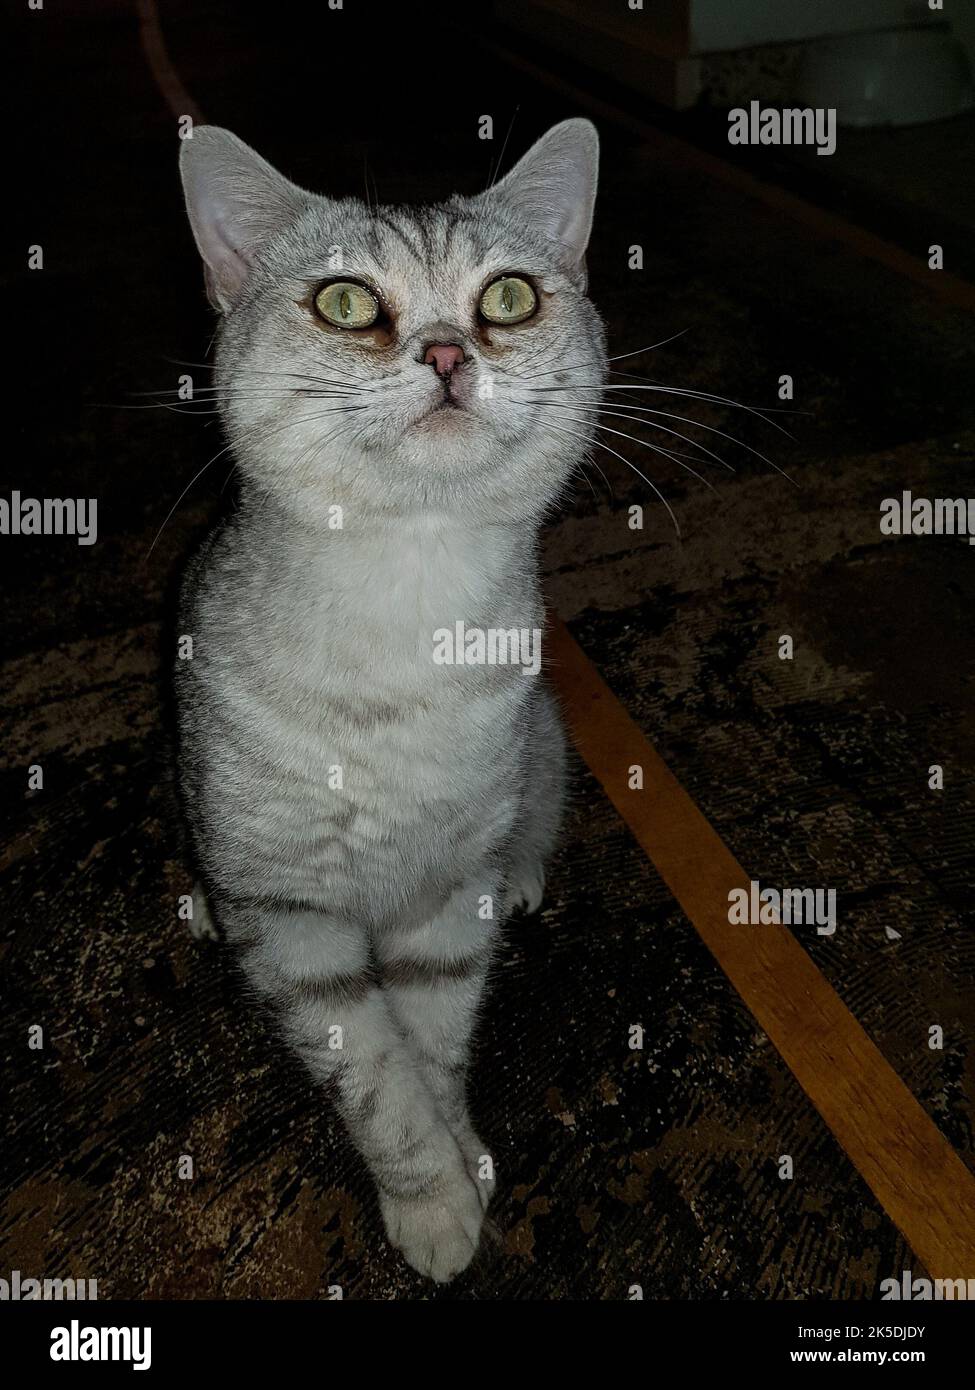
(393, 382)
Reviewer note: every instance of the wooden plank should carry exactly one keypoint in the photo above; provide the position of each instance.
(662, 29)
(825, 226)
(904, 1158)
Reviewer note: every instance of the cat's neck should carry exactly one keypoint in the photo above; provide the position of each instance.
(429, 568)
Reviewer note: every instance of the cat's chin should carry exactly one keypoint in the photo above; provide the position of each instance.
(443, 419)
(455, 433)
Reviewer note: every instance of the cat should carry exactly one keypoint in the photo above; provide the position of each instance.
(365, 816)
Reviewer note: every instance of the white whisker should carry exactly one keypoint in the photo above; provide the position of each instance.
(598, 443)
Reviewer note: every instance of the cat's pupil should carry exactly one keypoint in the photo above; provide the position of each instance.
(345, 304)
(507, 299)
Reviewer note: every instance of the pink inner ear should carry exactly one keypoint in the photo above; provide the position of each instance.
(225, 265)
(210, 280)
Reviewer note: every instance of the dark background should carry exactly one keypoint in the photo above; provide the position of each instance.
(660, 1167)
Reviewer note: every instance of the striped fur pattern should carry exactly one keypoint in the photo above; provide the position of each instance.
(365, 819)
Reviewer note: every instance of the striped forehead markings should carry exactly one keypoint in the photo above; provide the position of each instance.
(386, 221)
(437, 233)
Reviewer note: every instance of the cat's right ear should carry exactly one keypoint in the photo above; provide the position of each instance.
(553, 188)
(235, 201)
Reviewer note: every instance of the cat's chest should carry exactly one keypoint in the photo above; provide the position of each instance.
(385, 622)
(360, 653)
(420, 588)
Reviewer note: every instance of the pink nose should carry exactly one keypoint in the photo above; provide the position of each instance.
(443, 357)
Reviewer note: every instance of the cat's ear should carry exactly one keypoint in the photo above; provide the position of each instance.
(235, 201)
(553, 187)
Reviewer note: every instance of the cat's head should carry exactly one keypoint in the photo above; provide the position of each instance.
(402, 360)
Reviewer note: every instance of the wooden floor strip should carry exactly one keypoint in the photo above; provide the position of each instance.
(910, 1167)
(167, 79)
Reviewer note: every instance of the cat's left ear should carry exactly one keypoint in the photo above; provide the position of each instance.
(553, 187)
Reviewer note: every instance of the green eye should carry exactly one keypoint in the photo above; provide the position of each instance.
(508, 300)
(347, 305)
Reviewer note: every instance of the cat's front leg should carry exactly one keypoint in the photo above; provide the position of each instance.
(434, 973)
(541, 811)
(317, 971)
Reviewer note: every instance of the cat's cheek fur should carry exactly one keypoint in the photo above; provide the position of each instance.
(364, 817)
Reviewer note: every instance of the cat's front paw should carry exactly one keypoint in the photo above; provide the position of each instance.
(477, 1160)
(201, 924)
(526, 889)
(438, 1235)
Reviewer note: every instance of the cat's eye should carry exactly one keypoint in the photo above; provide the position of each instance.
(347, 305)
(508, 300)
